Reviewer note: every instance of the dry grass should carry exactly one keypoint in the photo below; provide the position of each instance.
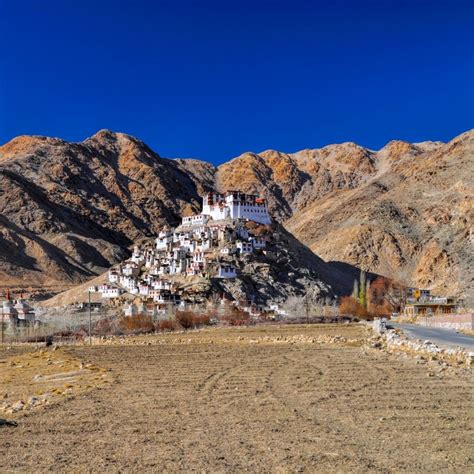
(44, 377)
(264, 399)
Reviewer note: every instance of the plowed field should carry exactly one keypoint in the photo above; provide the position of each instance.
(257, 399)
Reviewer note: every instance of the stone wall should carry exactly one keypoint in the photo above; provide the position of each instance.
(379, 325)
(395, 342)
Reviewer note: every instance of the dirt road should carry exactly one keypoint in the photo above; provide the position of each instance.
(249, 401)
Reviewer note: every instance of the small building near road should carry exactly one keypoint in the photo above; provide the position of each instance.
(430, 306)
(94, 306)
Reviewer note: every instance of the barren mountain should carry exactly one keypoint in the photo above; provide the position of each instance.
(405, 211)
(70, 210)
(289, 180)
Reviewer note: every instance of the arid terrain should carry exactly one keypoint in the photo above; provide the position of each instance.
(68, 211)
(268, 398)
(404, 211)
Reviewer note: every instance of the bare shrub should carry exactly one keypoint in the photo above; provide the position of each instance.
(107, 327)
(385, 296)
(190, 319)
(202, 320)
(236, 317)
(166, 325)
(349, 305)
(103, 327)
(137, 324)
(185, 319)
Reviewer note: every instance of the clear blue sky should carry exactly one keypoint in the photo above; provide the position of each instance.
(214, 79)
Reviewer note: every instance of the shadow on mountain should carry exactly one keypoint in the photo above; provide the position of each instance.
(339, 275)
(347, 274)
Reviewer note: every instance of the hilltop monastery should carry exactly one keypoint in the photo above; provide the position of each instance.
(231, 205)
(203, 245)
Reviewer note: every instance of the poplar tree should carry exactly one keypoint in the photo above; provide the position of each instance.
(355, 291)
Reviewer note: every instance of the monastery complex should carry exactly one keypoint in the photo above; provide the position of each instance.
(205, 245)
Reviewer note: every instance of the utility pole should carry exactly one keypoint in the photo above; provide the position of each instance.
(90, 320)
(2, 323)
(306, 307)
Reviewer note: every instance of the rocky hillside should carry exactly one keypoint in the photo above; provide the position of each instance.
(289, 180)
(70, 210)
(285, 268)
(405, 211)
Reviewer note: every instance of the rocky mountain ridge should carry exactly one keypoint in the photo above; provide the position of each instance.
(405, 211)
(70, 210)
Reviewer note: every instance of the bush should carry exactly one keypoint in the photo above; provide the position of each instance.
(236, 317)
(385, 296)
(137, 324)
(350, 305)
(190, 319)
(107, 327)
(202, 320)
(103, 327)
(185, 319)
(166, 325)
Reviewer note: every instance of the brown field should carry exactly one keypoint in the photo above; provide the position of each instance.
(231, 400)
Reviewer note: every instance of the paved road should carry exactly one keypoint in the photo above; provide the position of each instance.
(441, 337)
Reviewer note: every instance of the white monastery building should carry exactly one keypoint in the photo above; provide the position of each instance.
(189, 250)
(198, 219)
(231, 205)
(111, 292)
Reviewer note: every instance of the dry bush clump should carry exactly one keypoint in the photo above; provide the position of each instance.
(138, 324)
(107, 327)
(384, 297)
(103, 327)
(236, 317)
(351, 306)
(166, 325)
(185, 319)
(202, 320)
(378, 298)
(190, 319)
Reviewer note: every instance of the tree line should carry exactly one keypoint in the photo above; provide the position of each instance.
(378, 298)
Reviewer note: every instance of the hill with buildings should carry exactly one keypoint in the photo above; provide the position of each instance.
(252, 264)
(231, 251)
(71, 210)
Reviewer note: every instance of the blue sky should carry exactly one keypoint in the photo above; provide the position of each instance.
(214, 79)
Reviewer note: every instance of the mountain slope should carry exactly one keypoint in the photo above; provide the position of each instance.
(412, 222)
(70, 210)
(404, 211)
(289, 180)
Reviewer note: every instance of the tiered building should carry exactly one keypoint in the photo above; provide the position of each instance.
(235, 205)
(201, 246)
